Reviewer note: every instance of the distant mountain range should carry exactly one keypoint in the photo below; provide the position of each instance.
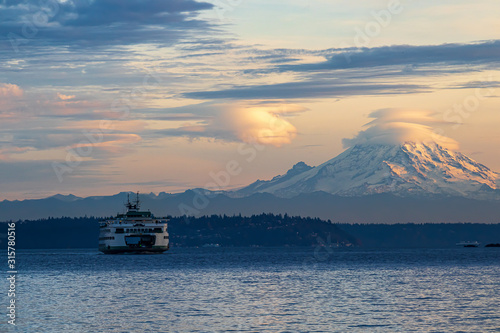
(410, 182)
(376, 208)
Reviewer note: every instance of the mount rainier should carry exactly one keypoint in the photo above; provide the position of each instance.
(406, 169)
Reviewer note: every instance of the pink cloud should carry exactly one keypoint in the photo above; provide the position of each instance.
(10, 90)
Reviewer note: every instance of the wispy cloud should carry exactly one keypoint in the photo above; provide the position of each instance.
(385, 70)
(445, 54)
(321, 88)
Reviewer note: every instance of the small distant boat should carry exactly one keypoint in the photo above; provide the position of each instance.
(468, 244)
(211, 245)
(493, 245)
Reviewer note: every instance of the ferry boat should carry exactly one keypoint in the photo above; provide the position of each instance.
(468, 244)
(134, 232)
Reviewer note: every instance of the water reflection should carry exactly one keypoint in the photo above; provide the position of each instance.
(259, 290)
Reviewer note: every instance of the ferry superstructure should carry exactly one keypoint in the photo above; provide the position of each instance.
(134, 232)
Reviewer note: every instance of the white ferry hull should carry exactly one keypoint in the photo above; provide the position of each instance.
(124, 237)
(124, 249)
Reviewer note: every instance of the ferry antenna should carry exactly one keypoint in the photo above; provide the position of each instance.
(134, 205)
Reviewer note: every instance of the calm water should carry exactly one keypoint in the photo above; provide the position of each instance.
(258, 290)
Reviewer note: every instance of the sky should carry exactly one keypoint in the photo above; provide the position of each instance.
(103, 96)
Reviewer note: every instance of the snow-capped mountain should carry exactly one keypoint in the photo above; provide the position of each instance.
(407, 169)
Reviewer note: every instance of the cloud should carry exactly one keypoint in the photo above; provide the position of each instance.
(10, 97)
(262, 125)
(55, 125)
(112, 145)
(142, 12)
(397, 126)
(259, 123)
(65, 97)
(10, 90)
(446, 54)
(86, 23)
(308, 89)
(387, 70)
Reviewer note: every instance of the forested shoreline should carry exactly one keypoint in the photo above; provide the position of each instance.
(259, 230)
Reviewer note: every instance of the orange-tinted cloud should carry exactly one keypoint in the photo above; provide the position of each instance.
(10, 90)
(261, 124)
(65, 97)
(264, 124)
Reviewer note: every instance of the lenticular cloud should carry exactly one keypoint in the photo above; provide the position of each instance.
(397, 126)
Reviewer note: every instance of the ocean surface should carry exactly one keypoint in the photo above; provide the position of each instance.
(257, 290)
